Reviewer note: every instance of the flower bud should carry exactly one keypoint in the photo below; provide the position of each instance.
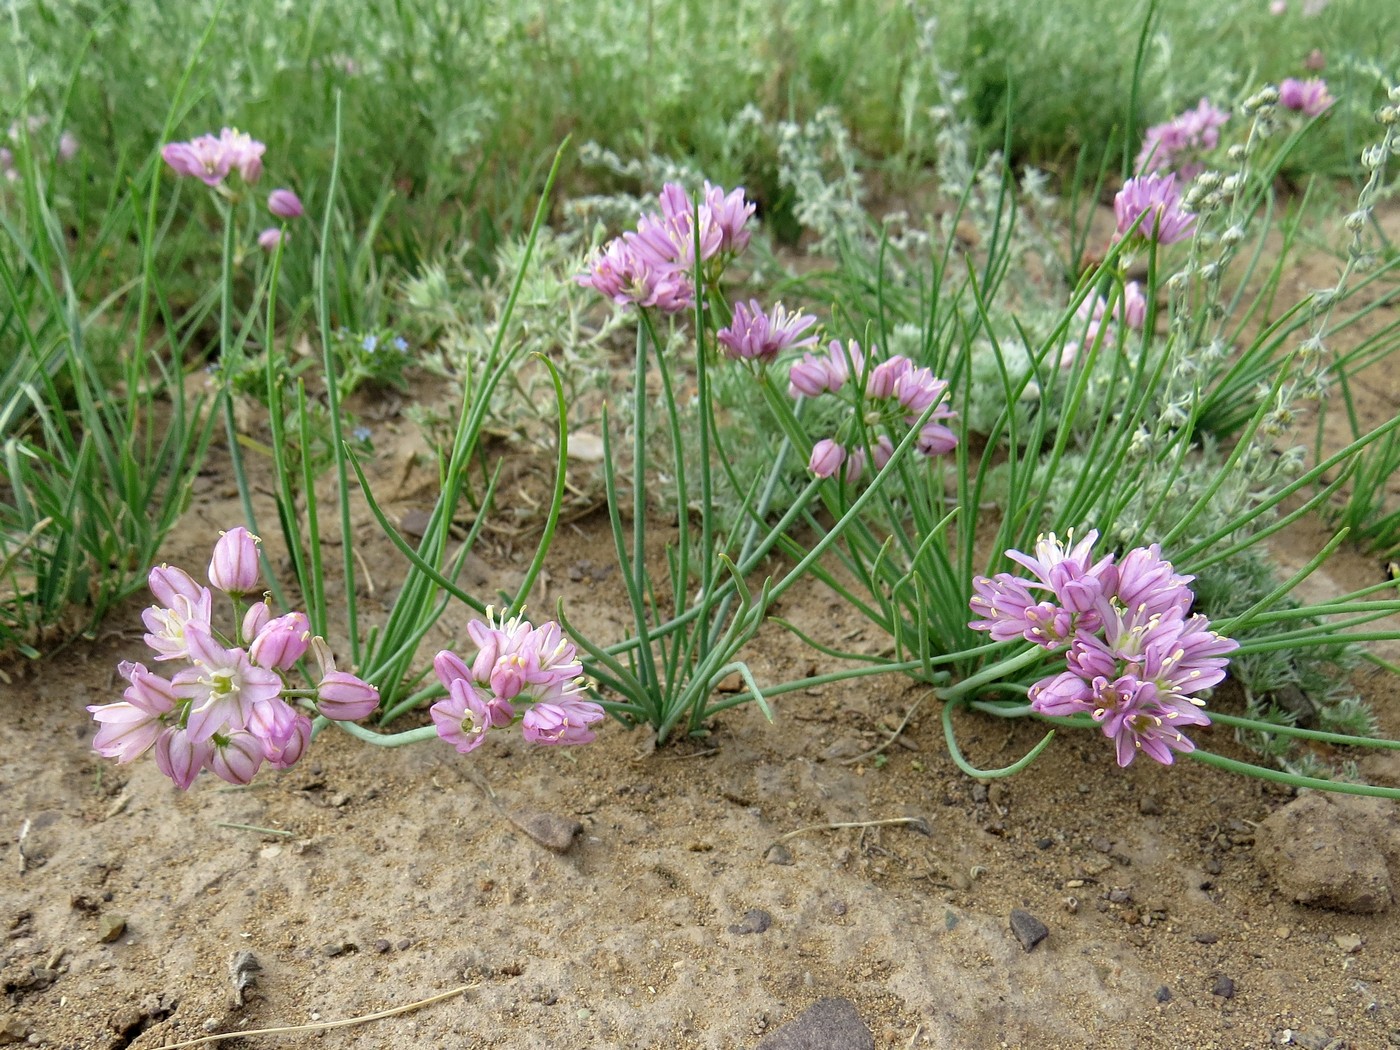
(237, 760)
(342, 697)
(180, 758)
(234, 567)
(281, 642)
(285, 204)
(270, 238)
(255, 619)
(827, 457)
(450, 667)
(168, 582)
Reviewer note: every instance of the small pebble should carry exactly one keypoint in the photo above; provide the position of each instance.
(1163, 994)
(1029, 930)
(381, 946)
(110, 927)
(1206, 938)
(403, 944)
(755, 920)
(1044, 843)
(778, 854)
(1223, 987)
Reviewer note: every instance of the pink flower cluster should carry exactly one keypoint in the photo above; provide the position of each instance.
(211, 159)
(653, 264)
(1134, 657)
(228, 708)
(895, 392)
(1093, 314)
(1309, 97)
(67, 146)
(516, 665)
(1178, 144)
(1156, 201)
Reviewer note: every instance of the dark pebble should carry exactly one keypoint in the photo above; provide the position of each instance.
(1223, 987)
(1163, 994)
(756, 920)
(403, 944)
(1206, 938)
(778, 854)
(334, 948)
(1044, 843)
(1029, 930)
(381, 946)
(828, 1024)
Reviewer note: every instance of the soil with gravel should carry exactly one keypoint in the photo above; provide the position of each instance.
(701, 894)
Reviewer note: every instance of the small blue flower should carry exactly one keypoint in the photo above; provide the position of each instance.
(400, 344)
(360, 433)
(371, 343)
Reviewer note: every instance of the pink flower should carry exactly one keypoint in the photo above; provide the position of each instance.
(270, 238)
(1155, 200)
(242, 152)
(130, 727)
(234, 567)
(210, 159)
(168, 626)
(827, 457)
(1309, 97)
(67, 147)
(293, 747)
(730, 215)
(1316, 61)
(462, 718)
(753, 335)
(342, 697)
(222, 686)
(1178, 144)
(203, 158)
(564, 721)
(629, 277)
(285, 204)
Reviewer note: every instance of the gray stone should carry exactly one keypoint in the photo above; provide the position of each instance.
(756, 920)
(1223, 987)
(1029, 930)
(828, 1024)
(1329, 851)
(550, 830)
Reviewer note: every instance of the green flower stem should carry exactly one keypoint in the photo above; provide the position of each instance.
(1260, 726)
(369, 736)
(1001, 669)
(962, 763)
(1293, 780)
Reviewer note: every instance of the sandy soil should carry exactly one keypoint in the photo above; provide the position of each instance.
(706, 893)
